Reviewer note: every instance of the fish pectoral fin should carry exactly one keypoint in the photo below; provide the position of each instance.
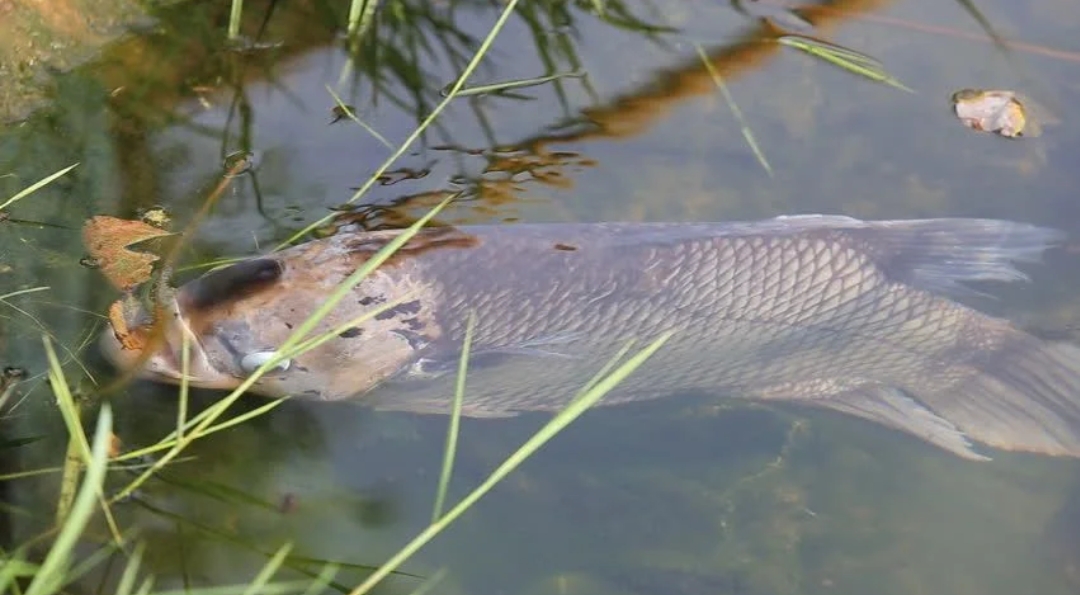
(893, 408)
(881, 404)
(481, 413)
(491, 355)
(442, 406)
(436, 365)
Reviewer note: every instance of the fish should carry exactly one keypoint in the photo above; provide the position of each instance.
(866, 318)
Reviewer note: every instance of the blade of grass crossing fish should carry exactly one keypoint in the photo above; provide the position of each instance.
(579, 405)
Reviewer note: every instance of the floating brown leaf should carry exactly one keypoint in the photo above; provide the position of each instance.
(115, 445)
(108, 240)
(130, 338)
(1005, 113)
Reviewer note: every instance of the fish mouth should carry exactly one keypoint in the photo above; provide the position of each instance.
(163, 362)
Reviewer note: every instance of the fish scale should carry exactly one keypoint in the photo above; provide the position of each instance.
(858, 317)
(746, 290)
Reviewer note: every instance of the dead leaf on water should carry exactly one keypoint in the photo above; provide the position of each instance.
(123, 316)
(1005, 113)
(115, 445)
(156, 216)
(341, 111)
(108, 240)
(239, 163)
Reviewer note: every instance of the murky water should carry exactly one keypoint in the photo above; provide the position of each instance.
(677, 496)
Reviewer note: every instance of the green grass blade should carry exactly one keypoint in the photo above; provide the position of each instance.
(848, 59)
(268, 570)
(743, 126)
(243, 417)
(209, 488)
(297, 564)
(609, 366)
(361, 15)
(69, 479)
(54, 568)
(430, 582)
(325, 578)
(185, 384)
(45, 330)
(313, 342)
(14, 566)
(22, 292)
(78, 451)
(147, 584)
(282, 588)
(505, 86)
(36, 186)
(352, 280)
(171, 440)
(5, 396)
(85, 565)
(131, 571)
(455, 421)
(29, 473)
(349, 113)
(235, 12)
(213, 412)
(424, 125)
(572, 411)
(991, 32)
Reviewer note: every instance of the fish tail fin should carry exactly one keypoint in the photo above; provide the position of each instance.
(999, 386)
(1023, 395)
(941, 254)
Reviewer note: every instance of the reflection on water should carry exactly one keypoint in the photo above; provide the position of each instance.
(685, 496)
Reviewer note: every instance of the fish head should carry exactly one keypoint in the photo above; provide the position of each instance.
(154, 354)
(237, 319)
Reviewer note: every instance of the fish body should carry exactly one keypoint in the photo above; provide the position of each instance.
(826, 311)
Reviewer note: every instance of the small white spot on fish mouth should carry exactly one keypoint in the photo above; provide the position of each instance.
(253, 361)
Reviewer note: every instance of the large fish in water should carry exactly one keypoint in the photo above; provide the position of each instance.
(826, 311)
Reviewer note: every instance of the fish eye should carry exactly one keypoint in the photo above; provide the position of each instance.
(232, 283)
(253, 361)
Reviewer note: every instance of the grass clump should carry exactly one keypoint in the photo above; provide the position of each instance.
(87, 462)
(90, 460)
(83, 491)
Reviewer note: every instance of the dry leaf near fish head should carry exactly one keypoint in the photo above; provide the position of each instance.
(109, 241)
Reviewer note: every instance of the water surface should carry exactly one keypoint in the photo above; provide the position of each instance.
(691, 495)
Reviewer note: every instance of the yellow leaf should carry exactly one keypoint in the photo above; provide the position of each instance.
(108, 240)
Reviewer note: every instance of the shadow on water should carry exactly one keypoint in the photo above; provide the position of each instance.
(676, 496)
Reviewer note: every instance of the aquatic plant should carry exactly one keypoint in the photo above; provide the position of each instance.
(90, 458)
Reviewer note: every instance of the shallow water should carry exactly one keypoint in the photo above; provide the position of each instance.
(684, 495)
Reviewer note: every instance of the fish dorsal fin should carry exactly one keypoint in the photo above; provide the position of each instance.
(941, 255)
(938, 255)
